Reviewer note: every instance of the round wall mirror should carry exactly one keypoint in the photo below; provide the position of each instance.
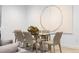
(51, 18)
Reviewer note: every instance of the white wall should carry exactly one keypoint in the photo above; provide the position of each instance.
(72, 40)
(19, 17)
(57, 18)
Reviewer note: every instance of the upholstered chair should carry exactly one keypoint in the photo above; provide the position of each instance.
(56, 41)
(18, 35)
(44, 34)
(28, 40)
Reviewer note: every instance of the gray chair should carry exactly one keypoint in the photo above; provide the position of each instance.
(44, 34)
(18, 35)
(56, 41)
(28, 40)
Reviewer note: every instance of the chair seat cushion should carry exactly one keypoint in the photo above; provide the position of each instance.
(10, 48)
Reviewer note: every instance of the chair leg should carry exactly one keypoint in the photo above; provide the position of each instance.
(41, 47)
(49, 47)
(33, 47)
(54, 48)
(24, 44)
(60, 48)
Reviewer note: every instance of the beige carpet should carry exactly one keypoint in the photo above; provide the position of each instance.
(67, 50)
(64, 50)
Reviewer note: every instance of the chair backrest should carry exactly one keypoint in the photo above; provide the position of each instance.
(28, 37)
(57, 38)
(44, 31)
(18, 35)
(45, 34)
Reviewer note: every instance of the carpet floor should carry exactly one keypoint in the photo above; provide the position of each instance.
(64, 50)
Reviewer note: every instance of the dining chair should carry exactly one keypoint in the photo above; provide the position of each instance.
(56, 41)
(28, 40)
(44, 34)
(18, 35)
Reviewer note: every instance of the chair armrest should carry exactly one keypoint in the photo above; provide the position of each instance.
(5, 42)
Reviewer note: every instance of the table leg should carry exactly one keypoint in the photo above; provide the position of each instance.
(41, 47)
